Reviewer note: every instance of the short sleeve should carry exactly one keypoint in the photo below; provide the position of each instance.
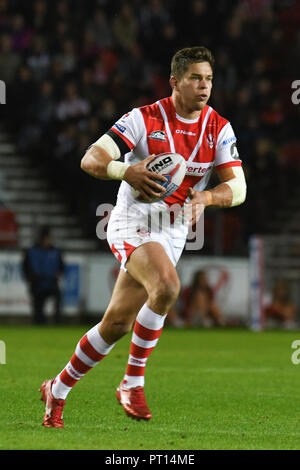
(227, 154)
(129, 128)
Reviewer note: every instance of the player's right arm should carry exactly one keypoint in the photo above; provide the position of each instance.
(95, 162)
(100, 162)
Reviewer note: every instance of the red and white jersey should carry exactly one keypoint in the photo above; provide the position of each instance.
(205, 143)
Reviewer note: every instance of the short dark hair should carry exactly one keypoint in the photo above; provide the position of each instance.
(43, 232)
(190, 55)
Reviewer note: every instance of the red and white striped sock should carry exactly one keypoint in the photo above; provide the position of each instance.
(90, 350)
(146, 333)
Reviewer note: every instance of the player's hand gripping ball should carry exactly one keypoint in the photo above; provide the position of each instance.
(170, 165)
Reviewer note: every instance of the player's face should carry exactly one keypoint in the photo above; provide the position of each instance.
(195, 86)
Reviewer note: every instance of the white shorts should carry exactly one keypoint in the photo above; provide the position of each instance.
(131, 227)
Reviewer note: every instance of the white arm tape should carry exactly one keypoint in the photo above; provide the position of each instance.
(116, 170)
(109, 145)
(238, 186)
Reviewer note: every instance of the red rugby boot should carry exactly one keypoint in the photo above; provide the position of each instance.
(134, 402)
(54, 407)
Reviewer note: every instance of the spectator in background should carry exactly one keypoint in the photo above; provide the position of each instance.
(57, 77)
(92, 92)
(108, 112)
(45, 105)
(39, 18)
(89, 48)
(198, 303)
(153, 15)
(21, 35)
(66, 147)
(170, 41)
(23, 90)
(125, 27)
(61, 33)
(72, 105)
(100, 72)
(62, 12)
(9, 60)
(281, 311)
(38, 59)
(99, 25)
(199, 22)
(43, 267)
(225, 80)
(67, 56)
(4, 16)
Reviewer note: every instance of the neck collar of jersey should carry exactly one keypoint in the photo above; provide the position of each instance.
(182, 119)
(188, 121)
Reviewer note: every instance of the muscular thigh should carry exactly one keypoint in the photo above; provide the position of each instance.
(150, 266)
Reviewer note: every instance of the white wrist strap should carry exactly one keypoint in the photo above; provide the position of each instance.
(116, 170)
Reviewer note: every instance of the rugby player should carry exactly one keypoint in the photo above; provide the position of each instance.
(147, 285)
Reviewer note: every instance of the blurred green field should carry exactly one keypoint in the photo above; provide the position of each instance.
(207, 389)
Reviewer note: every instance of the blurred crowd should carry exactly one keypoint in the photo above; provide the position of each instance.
(197, 305)
(72, 67)
(280, 310)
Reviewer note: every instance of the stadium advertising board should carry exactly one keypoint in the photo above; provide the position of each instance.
(14, 296)
(89, 280)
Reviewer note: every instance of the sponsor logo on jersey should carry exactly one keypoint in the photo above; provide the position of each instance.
(228, 141)
(158, 135)
(120, 128)
(210, 140)
(180, 131)
(198, 169)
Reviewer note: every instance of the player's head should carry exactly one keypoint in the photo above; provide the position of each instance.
(44, 236)
(191, 75)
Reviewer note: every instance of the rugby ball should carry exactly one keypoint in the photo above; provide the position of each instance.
(170, 165)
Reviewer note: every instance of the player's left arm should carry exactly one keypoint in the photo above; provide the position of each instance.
(229, 193)
(232, 188)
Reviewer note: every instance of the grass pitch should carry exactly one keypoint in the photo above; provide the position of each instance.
(207, 389)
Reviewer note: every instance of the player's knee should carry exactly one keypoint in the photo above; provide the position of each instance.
(116, 326)
(166, 291)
